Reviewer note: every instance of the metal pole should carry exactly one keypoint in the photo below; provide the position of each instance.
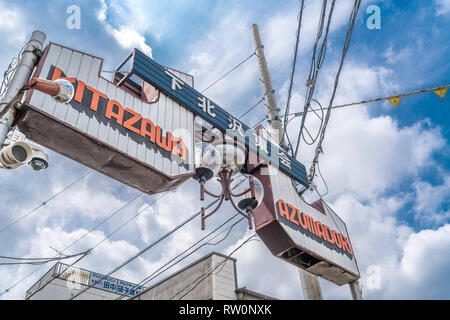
(21, 77)
(273, 115)
(310, 283)
(355, 290)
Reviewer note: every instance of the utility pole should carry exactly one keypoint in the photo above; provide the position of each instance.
(355, 290)
(310, 283)
(21, 77)
(273, 115)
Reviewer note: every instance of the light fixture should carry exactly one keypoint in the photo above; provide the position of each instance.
(207, 161)
(230, 155)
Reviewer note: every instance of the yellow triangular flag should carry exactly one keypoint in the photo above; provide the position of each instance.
(441, 92)
(395, 101)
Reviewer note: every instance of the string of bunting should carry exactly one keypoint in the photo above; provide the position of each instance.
(395, 100)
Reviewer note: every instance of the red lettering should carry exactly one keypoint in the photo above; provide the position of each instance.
(282, 209)
(311, 225)
(336, 238)
(129, 123)
(144, 132)
(293, 211)
(110, 111)
(320, 230)
(95, 96)
(179, 152)
(79, 92)
(345, 244)
(163, 142)
(327, 233)
(302, 220)
(57, 72)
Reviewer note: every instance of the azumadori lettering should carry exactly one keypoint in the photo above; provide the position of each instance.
(127, 121)
(300, 221)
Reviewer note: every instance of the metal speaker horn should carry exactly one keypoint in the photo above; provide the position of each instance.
(16, 154)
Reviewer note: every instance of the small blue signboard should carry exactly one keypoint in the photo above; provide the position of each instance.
(170, 84)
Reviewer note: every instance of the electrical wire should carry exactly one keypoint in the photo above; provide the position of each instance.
(324, 182)
(291, 81)
(237, 66)
(203, 277)
(39, 261)
(192, 217)
(73, 243)
(251, 108)
(109, 235)
(348, 37)
(10, 71)
(152, 244)
(158, 271)
(316, 64)
(46, 201)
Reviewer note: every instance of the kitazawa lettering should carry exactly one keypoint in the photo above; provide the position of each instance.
(97, 104)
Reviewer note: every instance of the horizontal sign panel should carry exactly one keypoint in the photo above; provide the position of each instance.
(202, 106)
(311, 236)
(114, 285)
(130, 136)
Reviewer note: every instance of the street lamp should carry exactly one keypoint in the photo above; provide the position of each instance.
(224, 159)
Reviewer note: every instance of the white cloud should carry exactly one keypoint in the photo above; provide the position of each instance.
(12, 21)
(126, 36)
(364, 157)
(443, 7)
(129, 39)
(430, 199)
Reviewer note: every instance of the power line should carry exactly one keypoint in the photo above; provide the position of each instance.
(109, 235)
(45, 202)
(92, 229)
(152, 244)
(145, 249)
(203, 277)
(251, 108)
(291, 82)
(39, 261)
(106, 219)
(315, 67)
(237, 66)
(157, 272)
(327, 116)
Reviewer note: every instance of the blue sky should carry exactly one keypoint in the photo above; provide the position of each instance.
(387, 168)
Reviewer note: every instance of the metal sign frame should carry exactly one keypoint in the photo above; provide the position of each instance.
(169, 83)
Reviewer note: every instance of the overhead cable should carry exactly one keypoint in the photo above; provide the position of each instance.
(316, 64)
(291, 80)
(348, 37)
(46, 201)
(234, 68)
(201, 278)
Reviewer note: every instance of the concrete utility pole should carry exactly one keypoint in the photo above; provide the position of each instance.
(355, 290)
(310, 283)
(273, 115)
(21, 77)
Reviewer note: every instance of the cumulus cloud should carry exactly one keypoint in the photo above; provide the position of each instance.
(365, 157)
(442, 7)
(126, 36)
(430, 199)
